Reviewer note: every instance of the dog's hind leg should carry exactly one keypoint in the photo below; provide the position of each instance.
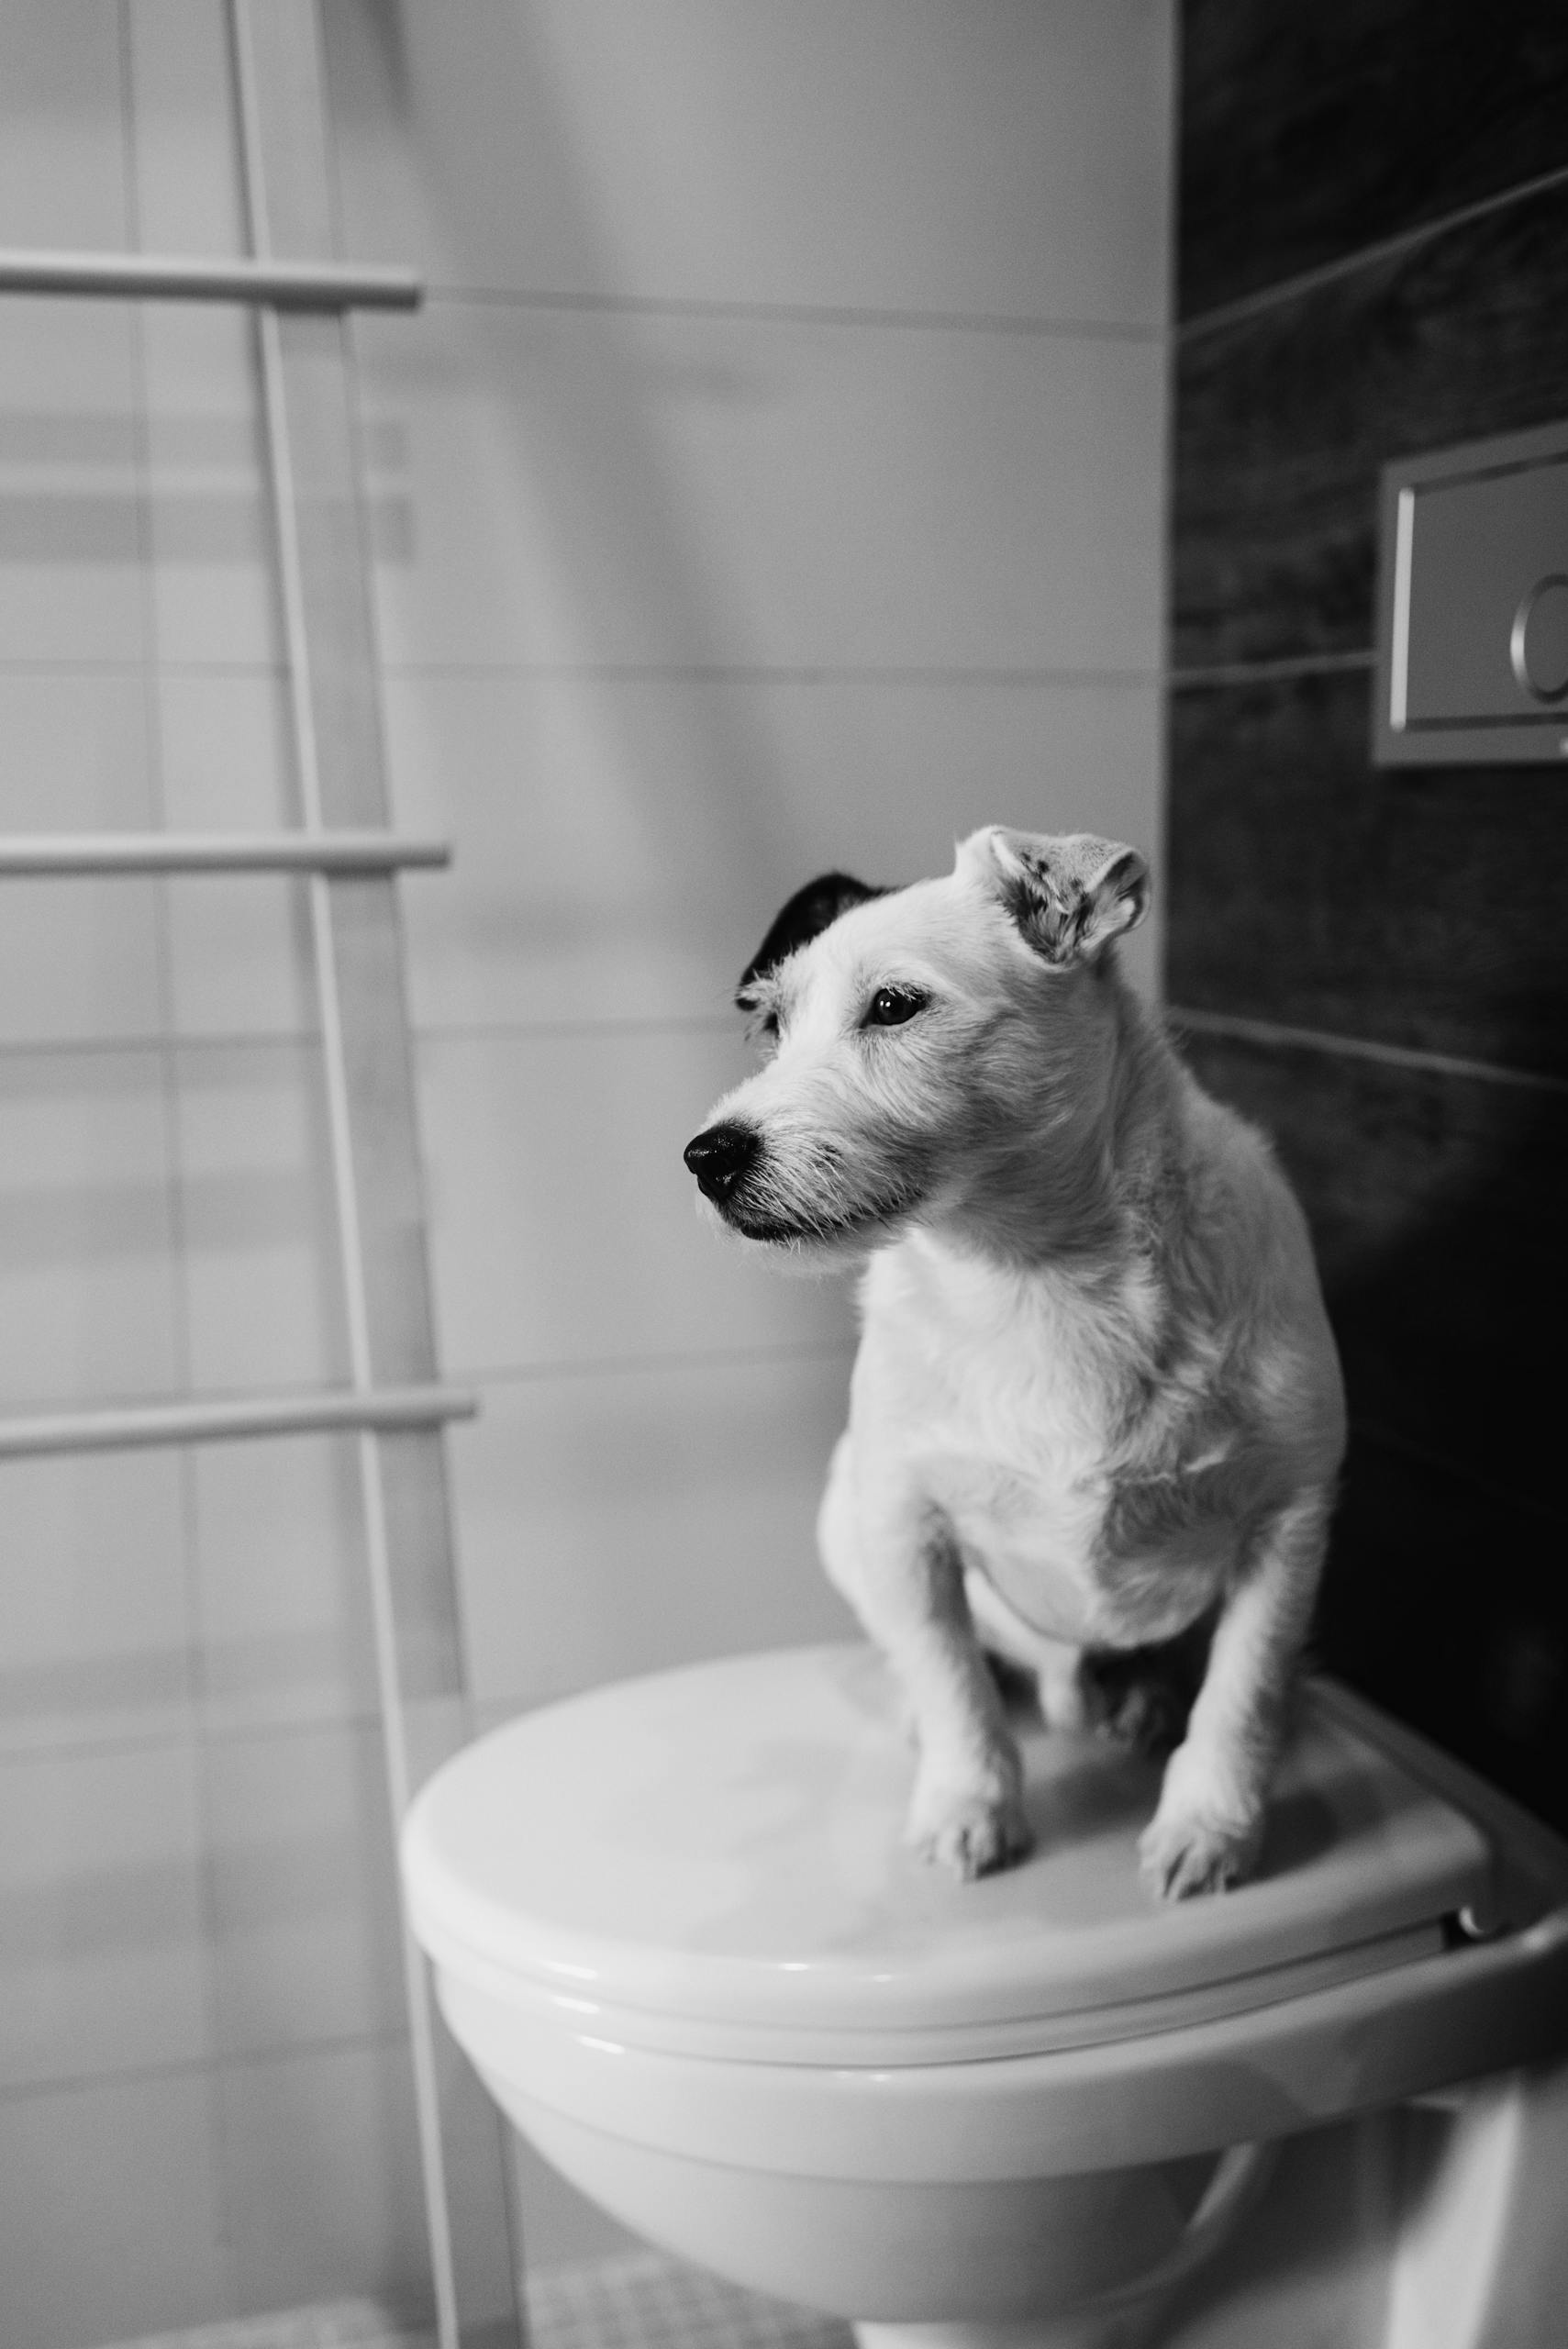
(1143, 1698)
(896, 1561)
(1206, 1834)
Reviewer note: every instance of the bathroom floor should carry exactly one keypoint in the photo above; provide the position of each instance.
(638, 2300)
(644, 2300)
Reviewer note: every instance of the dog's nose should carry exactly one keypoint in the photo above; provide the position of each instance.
(720, 1156)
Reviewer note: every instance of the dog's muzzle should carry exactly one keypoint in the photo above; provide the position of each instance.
(720, 1156)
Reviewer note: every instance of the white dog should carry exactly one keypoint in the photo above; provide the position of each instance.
(1096, 1402)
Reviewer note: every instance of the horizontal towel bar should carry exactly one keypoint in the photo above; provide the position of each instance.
(66, 853)
(333, 1411)
(153, 277)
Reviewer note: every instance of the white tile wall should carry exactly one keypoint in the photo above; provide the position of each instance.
(891, 154)
(320, 2182)
(71, 514)
(564, 1224)
(621, 844)
(62, 157)
(185, 185)
(97, 1630)
(87, 1303)
(112, 2223)
(280, 1584)
(102, 1951)
(238, 948)
(261, 1276)
(630, 489)
(774, 482)
(213, 600)
(620, 1523)
(78, 959)
(304, 1914)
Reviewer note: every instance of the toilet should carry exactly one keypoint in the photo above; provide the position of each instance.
(674, 1927)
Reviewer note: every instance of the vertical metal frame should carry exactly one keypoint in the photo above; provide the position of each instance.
(324, 589)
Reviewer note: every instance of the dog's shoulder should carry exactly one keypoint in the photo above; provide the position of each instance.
(1247, 1250)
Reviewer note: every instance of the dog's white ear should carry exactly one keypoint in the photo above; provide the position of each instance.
(1069, 893)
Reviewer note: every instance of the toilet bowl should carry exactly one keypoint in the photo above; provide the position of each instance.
(674, 1927)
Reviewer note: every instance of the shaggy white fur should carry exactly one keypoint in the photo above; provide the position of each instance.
(1097, 1400)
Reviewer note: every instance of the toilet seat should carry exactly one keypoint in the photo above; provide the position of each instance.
(674, 1917)
(707, 1864)
(673, 1929)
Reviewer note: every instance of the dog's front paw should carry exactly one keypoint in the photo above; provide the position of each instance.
(1182, 1852)
(1206, 1834)
(972, 1833)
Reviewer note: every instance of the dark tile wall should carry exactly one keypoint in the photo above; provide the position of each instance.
(1375, 963)
(1310, 133)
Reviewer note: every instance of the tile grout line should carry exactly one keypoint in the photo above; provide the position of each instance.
(186, 1471)
(204, 1868)
(281, 1039)
(915, 675)
(897, 318)
(1265, 672)
(1391, 248)
(910, 674)
(1321, 1039)
(1387, 1438)
(798, 1350)
(199, 2066)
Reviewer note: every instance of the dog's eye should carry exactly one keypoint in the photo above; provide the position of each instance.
(762, 1018)
(891, 1006)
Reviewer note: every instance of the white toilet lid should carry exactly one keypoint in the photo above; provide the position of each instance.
(710, 1860)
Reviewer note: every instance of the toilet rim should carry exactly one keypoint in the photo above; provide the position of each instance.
(666, 1995)
(856, 1961)
(1377, 2040)
(676, 2031)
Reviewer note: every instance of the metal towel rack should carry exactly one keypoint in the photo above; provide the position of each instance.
(394, 1403)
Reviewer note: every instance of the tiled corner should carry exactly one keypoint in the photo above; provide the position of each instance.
(621, 1524)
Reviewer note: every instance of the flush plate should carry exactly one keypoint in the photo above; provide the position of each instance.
(1473, 605)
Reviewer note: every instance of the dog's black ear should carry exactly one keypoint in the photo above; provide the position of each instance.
(1070, 895)
(808, 914)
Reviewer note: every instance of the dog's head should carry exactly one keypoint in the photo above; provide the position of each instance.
(919, 1041)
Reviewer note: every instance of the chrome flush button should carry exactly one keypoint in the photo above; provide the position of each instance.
(1472, 604)
(1538, 644)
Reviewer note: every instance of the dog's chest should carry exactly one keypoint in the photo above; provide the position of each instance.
(1009, 1405)
(1019, 1468)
